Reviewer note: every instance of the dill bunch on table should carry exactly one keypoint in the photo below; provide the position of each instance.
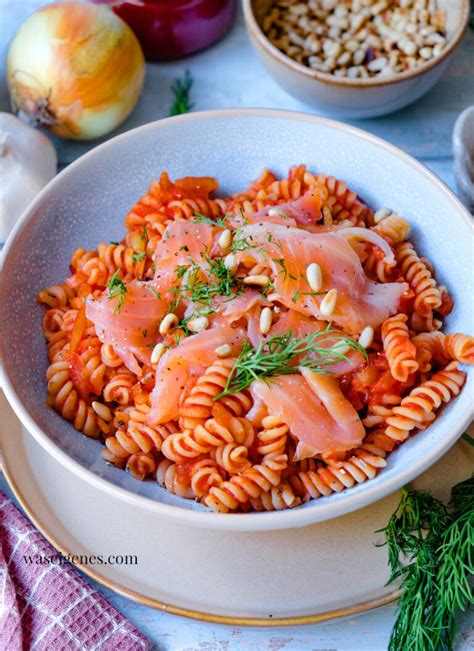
(431, 549)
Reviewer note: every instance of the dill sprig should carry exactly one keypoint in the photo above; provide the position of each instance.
(241, 241)
(138, 257)
(117, 287)
(199, 289)
(199, 218)
(282, 354)
(432, 550)
(181, 90)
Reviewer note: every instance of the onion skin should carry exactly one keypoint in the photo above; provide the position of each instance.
(76, 69)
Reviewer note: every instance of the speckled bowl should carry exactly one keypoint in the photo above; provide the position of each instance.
(86, 204)
(354, 98)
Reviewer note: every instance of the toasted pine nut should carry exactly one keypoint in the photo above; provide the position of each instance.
(230, 263)
(274, 296)
(381, 214)
(198, 324)
(314, 276)
(102, 411)
(366, 337)
(259, 280)
(223, 351)
(278, 212)
(168, 324)
(225, 239)
(328, 303)
(156, 353)
(265, 320)
(341, 348)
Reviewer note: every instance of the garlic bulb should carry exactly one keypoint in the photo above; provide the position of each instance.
(27, 163)
(76, 69)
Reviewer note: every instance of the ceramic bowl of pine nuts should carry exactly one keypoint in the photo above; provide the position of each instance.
(356, 58)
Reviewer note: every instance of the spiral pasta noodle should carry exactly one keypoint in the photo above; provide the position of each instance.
(460, 347)
(417, 409)
(427, 295)
(116, 257)
(276, 499)
(336, 476)
(342, 202)
(167, 475)
(213, 433)
(400, 352)
(251, 484)
(392, 228)
(197, 406)
(65, 399)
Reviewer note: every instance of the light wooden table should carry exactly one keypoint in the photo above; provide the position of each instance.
(229, 75)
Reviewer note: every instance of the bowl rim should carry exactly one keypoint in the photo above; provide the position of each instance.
(293, 66)
(265, 521)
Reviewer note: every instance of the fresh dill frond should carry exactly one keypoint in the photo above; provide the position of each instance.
(241, 241)
(200, 289)
(282, 355)
(431, 550)
(144, 235)
(154, 292)
(199, 218)
(117, 288)
(283, 269)
(181, 90)
(137, 257)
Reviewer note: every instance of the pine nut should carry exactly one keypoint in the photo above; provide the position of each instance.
(258, 280)
(341, 348)
(156, 353)
(359, 56)
(377, 64)
(328, 304)
(314, 277)
(230, 263)
(102, 411)
(381, 214)
(426, 52)
(366, 337)
(408, 47)
(223, 351)
(265, 320)
(225, 239)
(198, 324)
(168, 324)
(278, 212)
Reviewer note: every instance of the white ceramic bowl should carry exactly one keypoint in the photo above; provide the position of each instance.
(354, 98)
(86, 204)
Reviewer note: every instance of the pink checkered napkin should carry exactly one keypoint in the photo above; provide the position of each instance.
(50, 607)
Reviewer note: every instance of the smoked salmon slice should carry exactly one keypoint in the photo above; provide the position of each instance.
(316, 412)
(180, 365)
(289, 251)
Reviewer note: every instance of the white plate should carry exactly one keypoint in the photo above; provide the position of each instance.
(319, 572)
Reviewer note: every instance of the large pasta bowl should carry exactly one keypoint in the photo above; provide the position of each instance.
(86, 203)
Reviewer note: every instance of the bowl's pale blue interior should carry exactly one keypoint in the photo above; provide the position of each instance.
(87, 204)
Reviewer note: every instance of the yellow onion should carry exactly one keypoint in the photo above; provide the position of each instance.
(75, 68)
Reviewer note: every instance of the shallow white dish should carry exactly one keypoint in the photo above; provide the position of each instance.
(86, 204)
(269, 578)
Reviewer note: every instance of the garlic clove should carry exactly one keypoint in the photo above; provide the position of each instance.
(28, 162)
